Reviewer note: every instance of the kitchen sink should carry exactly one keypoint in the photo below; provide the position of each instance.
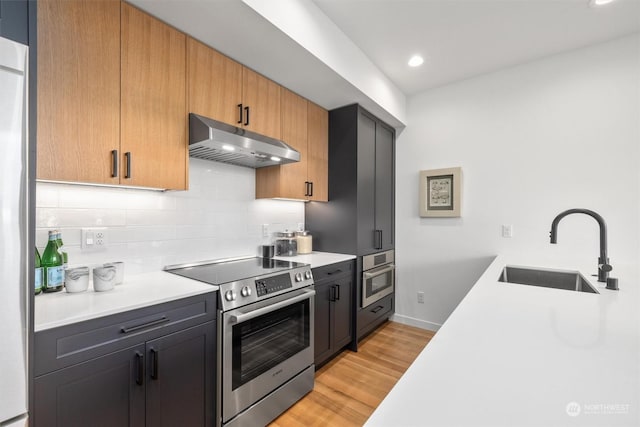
(557, 279)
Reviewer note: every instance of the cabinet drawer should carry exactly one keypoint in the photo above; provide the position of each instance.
(70, 344)
(371, 315)
(332, 271)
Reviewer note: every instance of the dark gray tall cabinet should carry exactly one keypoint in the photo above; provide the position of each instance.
(359, 217)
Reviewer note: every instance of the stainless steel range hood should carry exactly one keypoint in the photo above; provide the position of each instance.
(213, 140)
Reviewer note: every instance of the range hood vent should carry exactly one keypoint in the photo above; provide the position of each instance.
(213, 140)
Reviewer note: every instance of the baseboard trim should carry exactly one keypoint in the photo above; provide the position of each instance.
(418, 323)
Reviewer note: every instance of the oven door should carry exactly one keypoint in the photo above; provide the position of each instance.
(264, 345)
(377, 283)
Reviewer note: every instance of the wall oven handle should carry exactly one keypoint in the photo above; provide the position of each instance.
(372, 273)
(239, 318)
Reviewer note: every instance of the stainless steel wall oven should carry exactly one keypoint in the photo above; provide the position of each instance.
(378, 277)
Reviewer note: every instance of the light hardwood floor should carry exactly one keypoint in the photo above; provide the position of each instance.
(350, 387)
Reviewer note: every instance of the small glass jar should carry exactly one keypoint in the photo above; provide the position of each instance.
(305, 242)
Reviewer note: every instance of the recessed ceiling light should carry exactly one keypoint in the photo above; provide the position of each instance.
(275, 159)
(416, 61)
(596, 3)
(228, 147)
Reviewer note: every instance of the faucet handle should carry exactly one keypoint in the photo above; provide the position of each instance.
(605, 267)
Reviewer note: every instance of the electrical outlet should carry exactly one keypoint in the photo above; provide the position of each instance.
(507, 230)
(265, 230)
(420, 297)
(94, 238)
(300, 226)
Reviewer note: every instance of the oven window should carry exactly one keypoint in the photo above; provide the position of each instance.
(378, 283)
(261, 343)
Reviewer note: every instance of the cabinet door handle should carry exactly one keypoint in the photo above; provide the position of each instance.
(377, 309)
(139, 368)
(332, 297)
(239, 114)
(337, 293)
(154, 363)
(246, 119)
(311, 189)
(127, 157)
(129, 329)
(334, 272)
(306, 188)
(114, 163)
(377, 239)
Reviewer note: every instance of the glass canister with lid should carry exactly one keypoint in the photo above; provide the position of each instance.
(305, 242)
(286, 244)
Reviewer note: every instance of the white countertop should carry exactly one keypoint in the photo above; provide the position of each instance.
(318, 259)
(62, 308)
(517, 355)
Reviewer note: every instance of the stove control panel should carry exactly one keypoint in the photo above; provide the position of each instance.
(243, 292)
(274, 284)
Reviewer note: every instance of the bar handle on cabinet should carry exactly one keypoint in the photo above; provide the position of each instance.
(114, 163)
(129, 329)
(337, 287)
(154, 363)
(139, 368)
(377, 239)
(306, 188)
(377, 309)
(334, 272)
(246, 120)
(239, 114)
(332, 296)
(127, 157)
(311, 187)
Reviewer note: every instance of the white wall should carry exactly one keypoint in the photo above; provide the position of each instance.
(532, 140)
(218, 217)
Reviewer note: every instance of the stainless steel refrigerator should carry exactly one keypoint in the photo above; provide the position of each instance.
(14, 235)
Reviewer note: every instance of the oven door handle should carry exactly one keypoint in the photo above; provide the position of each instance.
(243, 317)
(370, 274)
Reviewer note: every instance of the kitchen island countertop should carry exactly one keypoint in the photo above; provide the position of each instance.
(137, 291)
(517, 355)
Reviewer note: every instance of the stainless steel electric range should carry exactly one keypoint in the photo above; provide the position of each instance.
(265, 335)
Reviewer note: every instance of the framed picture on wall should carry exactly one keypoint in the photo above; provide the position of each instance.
(440, 192)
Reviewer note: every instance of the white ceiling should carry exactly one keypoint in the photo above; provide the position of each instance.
(459, 38)
(464, 38)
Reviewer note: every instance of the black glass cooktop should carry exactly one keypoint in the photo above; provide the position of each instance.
(229, 271)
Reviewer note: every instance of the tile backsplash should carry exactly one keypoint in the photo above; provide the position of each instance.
(217, 218)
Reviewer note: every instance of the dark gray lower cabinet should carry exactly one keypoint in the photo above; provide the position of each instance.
(154, 366)
(333, 310)
(180, 378)
(100, 392)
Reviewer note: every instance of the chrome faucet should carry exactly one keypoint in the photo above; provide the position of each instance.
(603, 262)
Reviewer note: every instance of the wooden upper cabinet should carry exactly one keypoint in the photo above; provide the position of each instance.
(223, 89)
(78, 90)
(153, 136)
(305, 127)
(318, 152)
(261, 104)
(215, 83)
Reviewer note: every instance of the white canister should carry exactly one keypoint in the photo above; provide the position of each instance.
(305, 242)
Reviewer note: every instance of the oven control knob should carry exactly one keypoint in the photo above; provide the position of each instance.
(245, 291)
(230, 295)
(298, 277)
(307, 274)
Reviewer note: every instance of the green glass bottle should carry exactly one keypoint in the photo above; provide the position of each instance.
(65, 257)
(37, 280)
(52, 264)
